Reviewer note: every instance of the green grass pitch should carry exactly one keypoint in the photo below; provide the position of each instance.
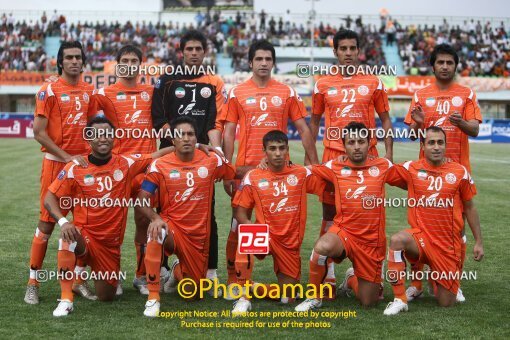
(482, 316)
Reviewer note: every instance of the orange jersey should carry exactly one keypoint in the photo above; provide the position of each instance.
(185, 190)
(356, 188)
(67, 109)
(129, 109)
(351, 99)
(105, 183)
(438, 105)
(258, 111)
(279, 200)
(451, 180)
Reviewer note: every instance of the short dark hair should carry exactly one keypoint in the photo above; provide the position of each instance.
(261, 45)
(126, 49)
(64, 46)
(193, 35)
(433, 128)
(444, 49)
(275, 136)
(356, 127)
(183, 120)
(100, 119)
(345, 34)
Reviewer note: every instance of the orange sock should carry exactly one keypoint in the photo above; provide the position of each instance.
(417, 267)
(244, 268)
(318, 269)
(140, 259)
(66, 261)
(37, 254)
(396, 266)
(231, 251)
(463, 246)
(153, 264)
(352, 283)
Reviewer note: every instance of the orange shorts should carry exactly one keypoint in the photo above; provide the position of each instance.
(447, 267)
(103, 259)
(328, 197)
(285, 261)
(367, 261)
(49, 172)
(192, 252)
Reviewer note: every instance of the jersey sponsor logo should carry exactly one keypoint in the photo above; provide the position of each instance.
(118, 175)
(180, 92)
(278, 207)
(438, 122)
(145, 96)
(61, 174)
(363, 90)
(332, 91)
(64, 98)
(88, 180)
(197, 197)
(174, 174)
(422, 174)
(185, 195)
(86, 97)
(257, 121)
(345, 111)
(431, 101)
(276, 101)
(356, 193)
(251, 101)
(450, 178)
(346, 171)
(263, 184)
(203, 172)
(133, 118)
(121, 96)
(41, 95)
(74, 120)
(292, 180)
(457, 101)
(186, 110)
(373, 171)
(205, 92)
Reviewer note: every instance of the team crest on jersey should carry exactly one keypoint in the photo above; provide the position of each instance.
(180, 92)
(251, 101)
(422, 174)
(457, 101)
(363, 90)
(88, 180)
(174, 174)
(263, 184)
(61, 174)
(145, 96)
(431, 101)
(118, 175)
(205, 92)
(451, 178)
(86, 97)
(292, 180)
(373, 171)
(121, 96)
(332, 91)
(203, 172)
(276, 101)
(346, 171)
(65, 98)
(41, 95)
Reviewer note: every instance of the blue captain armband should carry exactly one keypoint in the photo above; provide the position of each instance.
(149, 186)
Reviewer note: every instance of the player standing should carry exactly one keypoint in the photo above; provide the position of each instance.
(345, 98)
(435, 234)
(183, 181)
(455, 109)
(278, 195)
(97, 230)
(62, 110)
(359, 227)
(259, 105)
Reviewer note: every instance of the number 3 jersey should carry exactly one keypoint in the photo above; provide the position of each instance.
(279, 200)
(185, 190)
(99, 194)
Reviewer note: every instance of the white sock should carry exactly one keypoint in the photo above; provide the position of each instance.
(331, 270)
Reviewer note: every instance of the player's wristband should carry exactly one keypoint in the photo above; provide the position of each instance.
(62, 221)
